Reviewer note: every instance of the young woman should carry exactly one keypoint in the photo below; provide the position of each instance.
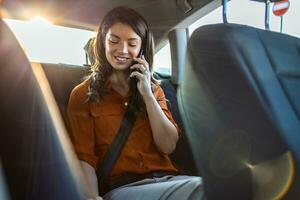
(122, 79)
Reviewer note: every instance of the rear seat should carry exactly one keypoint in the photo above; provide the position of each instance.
(182, 156)
(63, 78)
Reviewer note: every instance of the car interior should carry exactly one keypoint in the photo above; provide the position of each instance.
(234, 91)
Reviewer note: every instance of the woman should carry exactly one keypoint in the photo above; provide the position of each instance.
(121, 79)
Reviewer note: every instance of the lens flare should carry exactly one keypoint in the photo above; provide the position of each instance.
(272, 179)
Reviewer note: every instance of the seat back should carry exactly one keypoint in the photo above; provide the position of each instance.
(182, 157)
(36, 156)
(62, 79)
(239, 101)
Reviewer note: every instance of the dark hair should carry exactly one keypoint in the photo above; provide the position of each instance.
(101, 69)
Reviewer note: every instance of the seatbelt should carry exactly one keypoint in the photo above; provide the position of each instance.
(114, 150)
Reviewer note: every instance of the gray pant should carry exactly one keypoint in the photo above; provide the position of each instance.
(167, 187)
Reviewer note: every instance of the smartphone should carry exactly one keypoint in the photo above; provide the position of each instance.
(135, 62)
(136, 97)
(139, 56)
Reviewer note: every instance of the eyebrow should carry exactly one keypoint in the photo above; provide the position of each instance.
(131, 39)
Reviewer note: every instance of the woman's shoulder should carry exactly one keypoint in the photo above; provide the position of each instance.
(80, 91)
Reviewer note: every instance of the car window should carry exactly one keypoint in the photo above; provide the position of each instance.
(162, 60)
(47, 43)
(252, 13)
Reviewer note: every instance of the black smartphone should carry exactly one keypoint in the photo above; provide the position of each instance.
(135, 62)
(139, 56)
(136, 98)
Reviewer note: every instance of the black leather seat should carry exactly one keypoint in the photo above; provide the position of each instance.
(240, 104)
(36, 160)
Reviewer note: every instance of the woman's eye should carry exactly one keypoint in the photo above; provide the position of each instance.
(132, 44)
(113, 41)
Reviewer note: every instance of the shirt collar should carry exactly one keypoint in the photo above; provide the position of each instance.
(108, 87)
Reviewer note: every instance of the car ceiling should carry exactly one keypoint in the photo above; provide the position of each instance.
(162, 15)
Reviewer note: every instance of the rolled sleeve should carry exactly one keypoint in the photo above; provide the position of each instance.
(161, 99)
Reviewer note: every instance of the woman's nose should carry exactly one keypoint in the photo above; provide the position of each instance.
(123, 47)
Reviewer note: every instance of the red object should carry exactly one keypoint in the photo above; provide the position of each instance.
(281, 7)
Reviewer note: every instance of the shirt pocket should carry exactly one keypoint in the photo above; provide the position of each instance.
(107, 118)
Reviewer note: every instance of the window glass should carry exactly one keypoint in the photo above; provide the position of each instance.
(47, 43)
(253, 13)
(44, 42)
(162, 60)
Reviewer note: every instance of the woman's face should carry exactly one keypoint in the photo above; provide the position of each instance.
(122, 44)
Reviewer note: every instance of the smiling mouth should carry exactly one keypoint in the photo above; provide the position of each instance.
(121, 59)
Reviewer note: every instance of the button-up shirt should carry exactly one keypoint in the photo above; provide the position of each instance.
(94, 126)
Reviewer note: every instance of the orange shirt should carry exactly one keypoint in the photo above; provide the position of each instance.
(94, 126)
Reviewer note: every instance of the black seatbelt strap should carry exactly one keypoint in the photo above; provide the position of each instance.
(114, 150)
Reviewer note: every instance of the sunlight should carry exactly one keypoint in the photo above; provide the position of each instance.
(40, 20)
(49, 43)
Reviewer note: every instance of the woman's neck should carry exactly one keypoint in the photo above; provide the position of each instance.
(119, 81)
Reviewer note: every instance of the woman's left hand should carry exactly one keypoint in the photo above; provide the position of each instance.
(143, 75)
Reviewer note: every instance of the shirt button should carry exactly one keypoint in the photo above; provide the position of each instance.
(141, 164)
(126, 104)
